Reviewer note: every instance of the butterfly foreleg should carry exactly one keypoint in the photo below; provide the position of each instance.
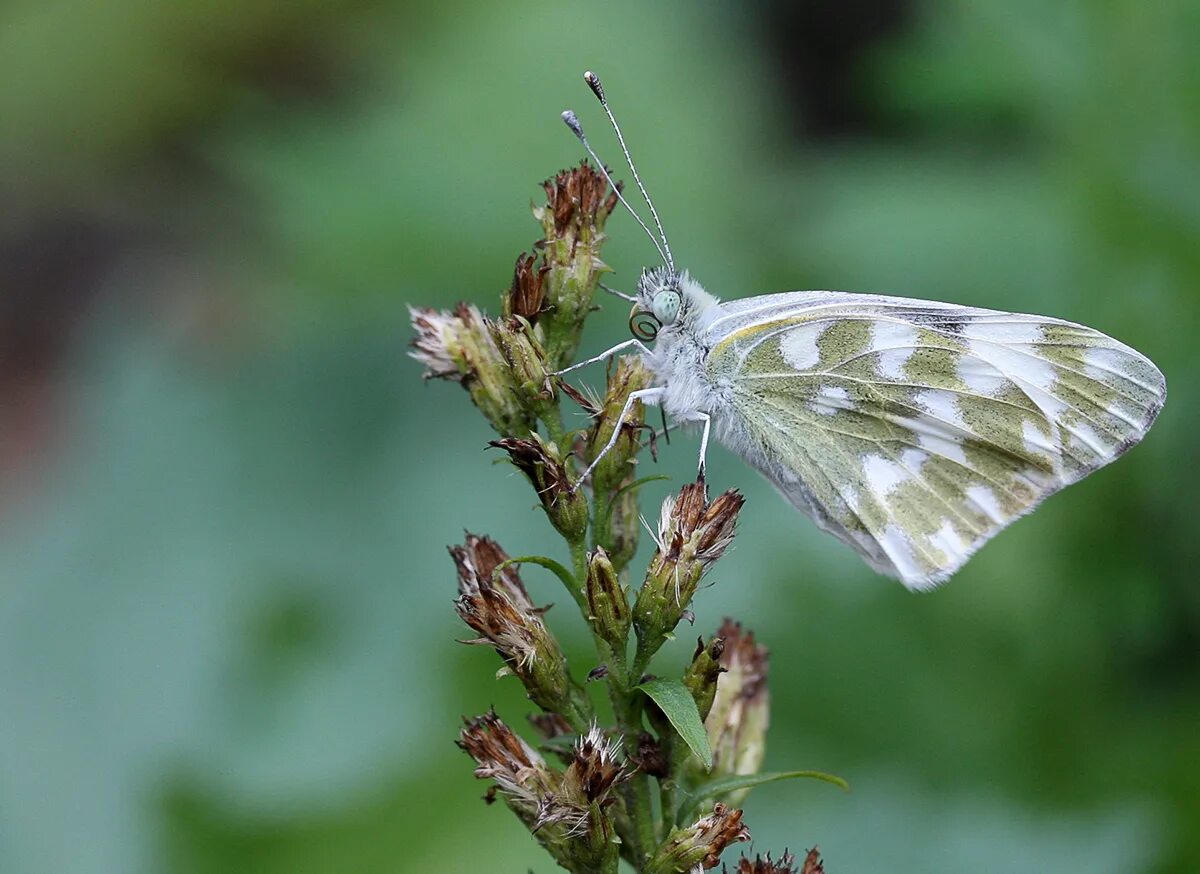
(707, 420)
(646, 396)
(605, 355)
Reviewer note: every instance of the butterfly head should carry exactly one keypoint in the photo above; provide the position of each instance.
(660, 302)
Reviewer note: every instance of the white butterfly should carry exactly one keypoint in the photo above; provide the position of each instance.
(913, 431)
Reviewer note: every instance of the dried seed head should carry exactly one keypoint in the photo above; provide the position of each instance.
(540, 462)
(692, 534)
(740, 714)
(766, 865)
(497, 607)
(701, 843)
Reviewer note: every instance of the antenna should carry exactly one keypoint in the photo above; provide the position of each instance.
(593, 82)
(572, 121)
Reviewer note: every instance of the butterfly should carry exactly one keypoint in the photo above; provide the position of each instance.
(913, 431)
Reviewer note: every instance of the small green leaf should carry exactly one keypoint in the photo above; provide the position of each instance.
(691, 802)
(677, 703)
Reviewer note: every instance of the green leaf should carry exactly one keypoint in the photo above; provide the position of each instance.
(677, 703)
(691, 802)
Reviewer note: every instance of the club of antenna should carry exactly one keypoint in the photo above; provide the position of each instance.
(594, 83)
(572, 121)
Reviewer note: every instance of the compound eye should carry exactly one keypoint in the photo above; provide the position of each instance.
(644, 325)
(666, 306)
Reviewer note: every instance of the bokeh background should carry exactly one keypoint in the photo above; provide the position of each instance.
(226, 641)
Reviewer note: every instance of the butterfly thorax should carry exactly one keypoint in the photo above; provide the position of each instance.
(681, 348)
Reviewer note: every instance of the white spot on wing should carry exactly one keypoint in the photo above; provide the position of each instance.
(882, 474)
(895, 342)
(937, 437)
(942, 405)
(1035, 440)
(985, 499)
(1083, 434)
(947, 540)
(833, 398)
(1011, 332)
(1020, 365)
(799, 346)
(899, 550)
(979, 376)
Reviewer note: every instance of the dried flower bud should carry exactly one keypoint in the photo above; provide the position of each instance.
(497, 607)
(578, 203)
(526, 361)
(524, 781)
(700, 844)
(519, 772)
(462, 346)
(577, 807)
(436, 333)
(526, 295)
(615, 468)
(618, 524)
(692, 534)
(608, 604)
(596, 768)
(541, 463)
(766, 865)
(737, 723)
(700, 678)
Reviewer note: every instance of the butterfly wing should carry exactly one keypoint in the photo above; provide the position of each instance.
(915, 431)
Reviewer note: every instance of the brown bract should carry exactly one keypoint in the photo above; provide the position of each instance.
(527, 293)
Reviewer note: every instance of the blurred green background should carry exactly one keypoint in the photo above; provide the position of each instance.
(226, 641)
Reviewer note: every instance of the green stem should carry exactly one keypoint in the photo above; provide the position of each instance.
(552, 417)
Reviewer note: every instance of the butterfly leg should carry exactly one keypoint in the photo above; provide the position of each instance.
(646, 396)
(604, 356)
(707, 420)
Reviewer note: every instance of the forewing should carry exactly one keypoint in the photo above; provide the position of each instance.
(916, 431)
